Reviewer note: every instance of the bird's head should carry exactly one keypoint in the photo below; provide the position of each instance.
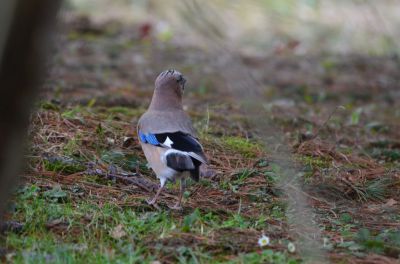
(169, 89)
(171, 80)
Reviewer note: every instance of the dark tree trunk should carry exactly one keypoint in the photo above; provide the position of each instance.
(25, 31)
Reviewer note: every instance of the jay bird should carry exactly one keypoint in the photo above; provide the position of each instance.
(167, 136)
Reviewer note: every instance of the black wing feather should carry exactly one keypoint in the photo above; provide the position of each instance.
(182, 142)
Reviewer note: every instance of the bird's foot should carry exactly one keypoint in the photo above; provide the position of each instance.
(176, 207)
(153, 203)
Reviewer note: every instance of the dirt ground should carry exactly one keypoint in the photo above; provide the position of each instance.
(84, 189)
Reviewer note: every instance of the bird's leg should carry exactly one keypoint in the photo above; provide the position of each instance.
(182, 184)
(153, 201)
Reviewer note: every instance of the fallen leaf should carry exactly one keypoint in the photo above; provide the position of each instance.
(390, 202)
(128, 141)
(118, 232)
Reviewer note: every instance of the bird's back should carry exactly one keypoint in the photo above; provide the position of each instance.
(154, 121)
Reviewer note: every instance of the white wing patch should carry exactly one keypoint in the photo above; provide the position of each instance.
(198, 157)
(168, 142)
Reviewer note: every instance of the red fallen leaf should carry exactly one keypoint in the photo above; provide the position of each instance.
(145, 30)
(285, 48)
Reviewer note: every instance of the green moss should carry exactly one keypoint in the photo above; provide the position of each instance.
(315, 162)
(67, 167)
(242, 145)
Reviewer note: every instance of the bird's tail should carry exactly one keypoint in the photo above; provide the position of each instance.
(179, 161)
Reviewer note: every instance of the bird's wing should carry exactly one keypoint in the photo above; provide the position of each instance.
(176, 140)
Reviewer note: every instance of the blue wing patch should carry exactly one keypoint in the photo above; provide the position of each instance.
(142, 137)
(149, 138)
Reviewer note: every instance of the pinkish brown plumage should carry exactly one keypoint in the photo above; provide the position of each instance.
(167, 136)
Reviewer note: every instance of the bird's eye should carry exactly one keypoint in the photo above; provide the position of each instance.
(181, 81)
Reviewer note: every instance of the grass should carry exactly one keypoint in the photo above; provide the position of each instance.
(266, 256)
(70, 217)
(315, 163)
(63, 166)
(68, 230)
(126, 161)
(62, 228)
(364, 241)
(90, 218)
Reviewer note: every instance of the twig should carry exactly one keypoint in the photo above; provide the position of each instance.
(136, 179)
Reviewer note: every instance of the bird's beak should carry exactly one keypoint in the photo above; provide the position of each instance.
(182, 81)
